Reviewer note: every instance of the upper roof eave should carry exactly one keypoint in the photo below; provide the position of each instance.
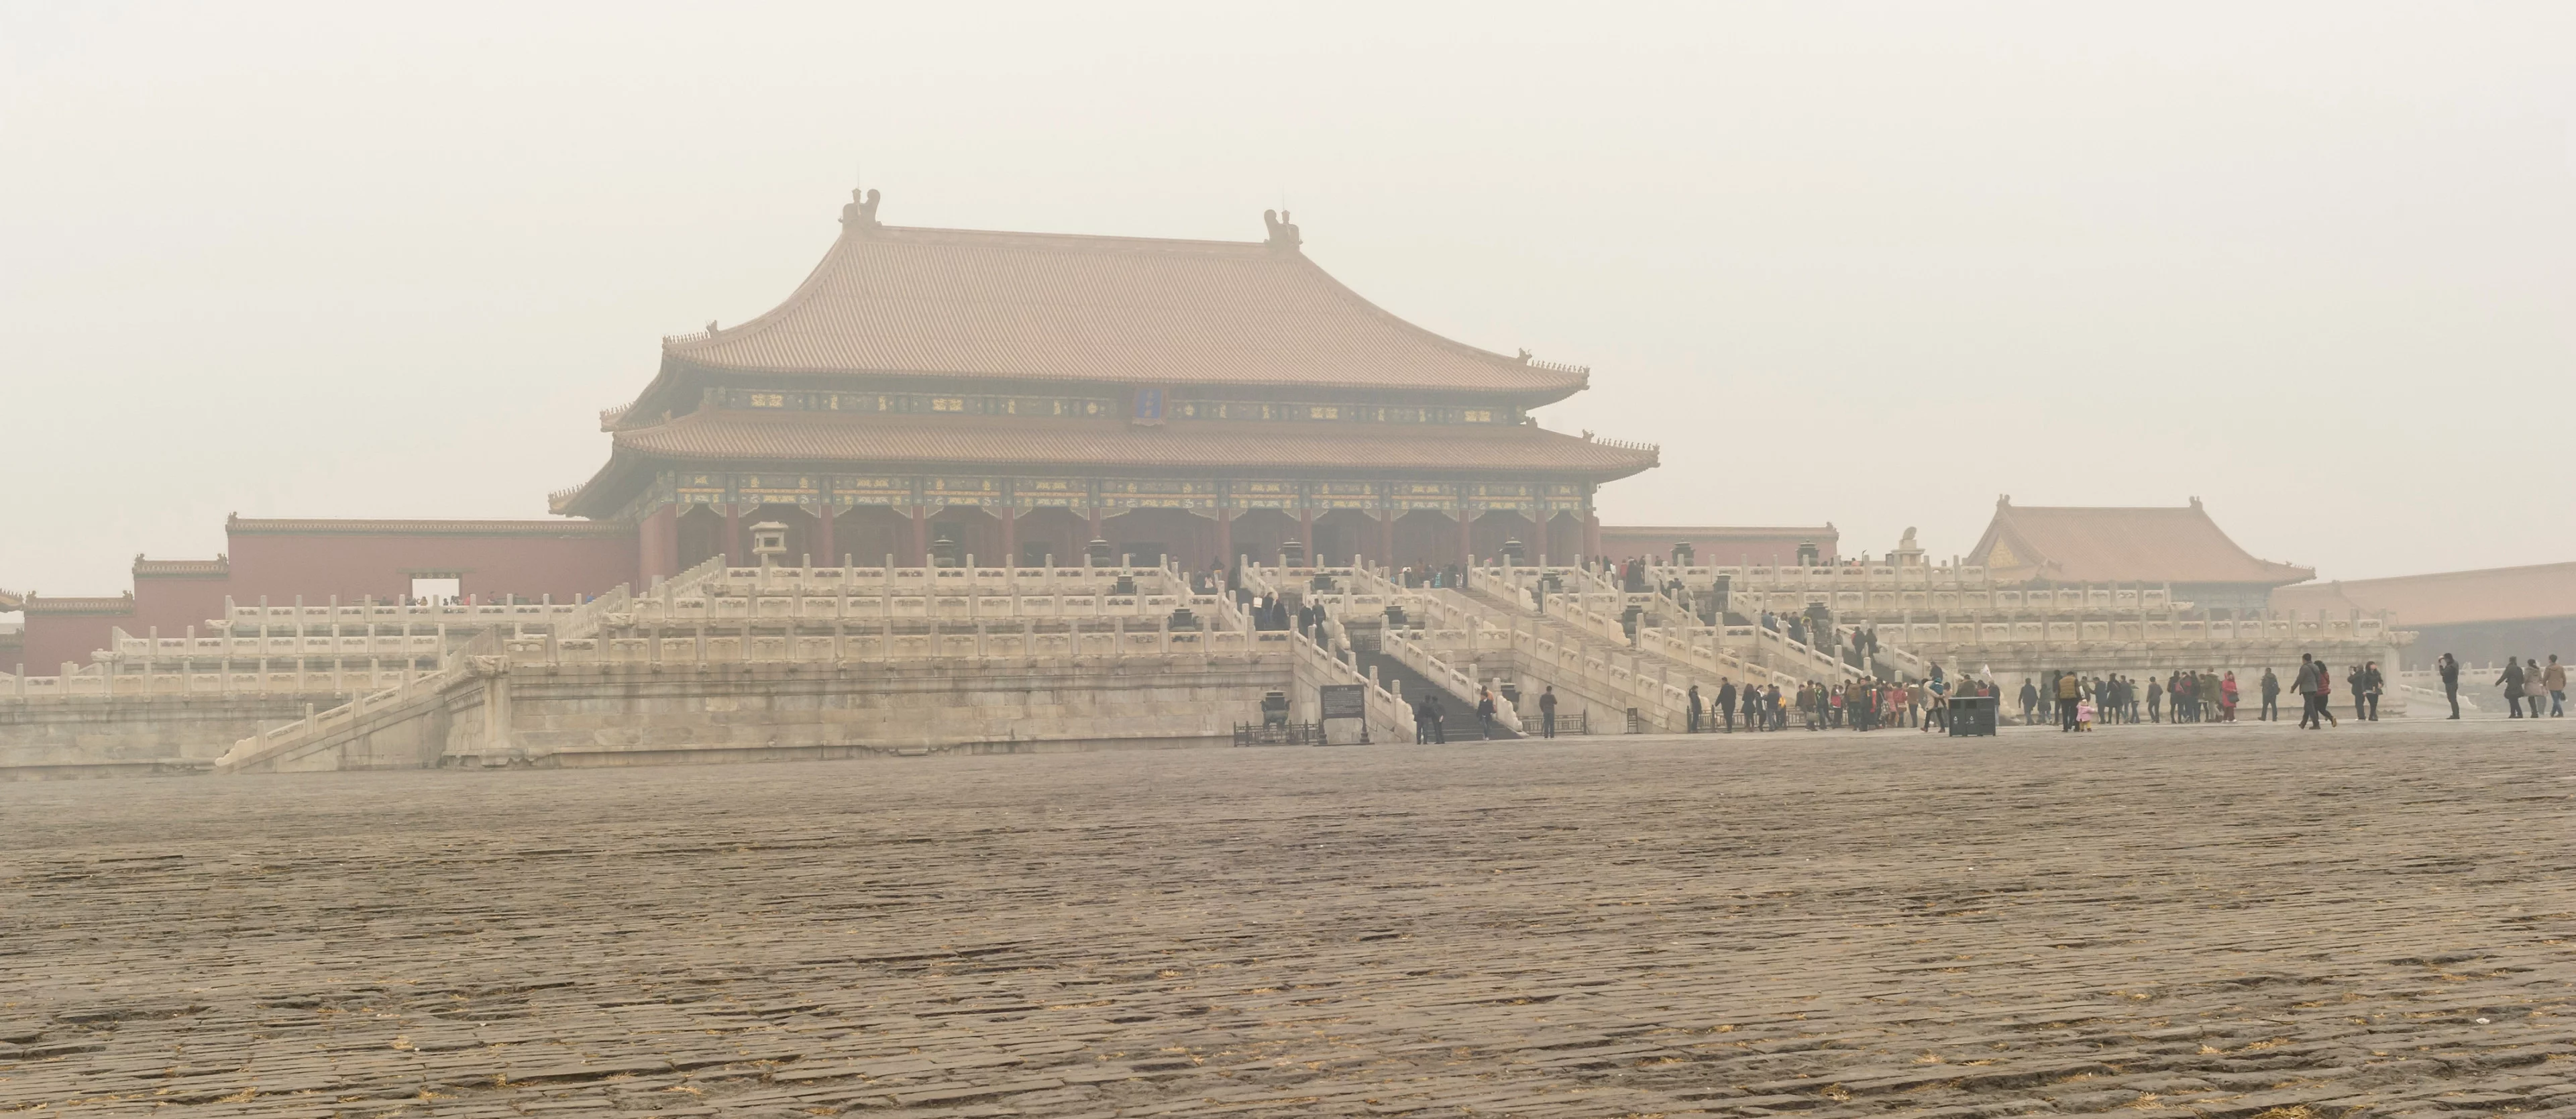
(908, 301)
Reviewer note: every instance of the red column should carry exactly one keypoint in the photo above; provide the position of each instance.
(1385, 538)
(920, 537)
(823, 548)
(657, 543)
(1095, 526)
(1466, 543)
(733, 535)
(1225, 538)
(1306, 532)
(1010, 537)
(1591, 534)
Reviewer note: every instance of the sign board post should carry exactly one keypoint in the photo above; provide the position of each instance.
(1343, 701)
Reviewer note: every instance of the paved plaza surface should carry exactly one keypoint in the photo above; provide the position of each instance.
(2223, 921)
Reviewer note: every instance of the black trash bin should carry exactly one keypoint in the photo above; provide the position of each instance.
(1972, 715)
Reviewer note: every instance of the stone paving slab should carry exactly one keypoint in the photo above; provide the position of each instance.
(2218, 921)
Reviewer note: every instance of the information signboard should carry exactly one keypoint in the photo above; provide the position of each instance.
(1345, 701)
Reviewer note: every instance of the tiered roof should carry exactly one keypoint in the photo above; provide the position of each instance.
(823, 437)
(2495, 594)
(2075, 544)
(1023, 311)
(948, 303)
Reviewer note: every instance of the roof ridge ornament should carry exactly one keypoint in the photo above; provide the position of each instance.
(861, 212)
(1283, 232)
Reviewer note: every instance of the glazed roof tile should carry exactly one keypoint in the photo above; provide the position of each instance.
(1219, 445)
(946, 302)
(2493, 594)
(2080, 544)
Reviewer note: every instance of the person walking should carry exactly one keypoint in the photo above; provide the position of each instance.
(1547, 712)
(1486, 709)
(2359, 678)
(2553, 680)
(2373, 682)
(2449, 667)
(2271, 696)
(2306, 686)
(2325, 695)
(2511, 678)
(1693, 708)
(2155, 700)
(2227, 697)
(2029, 701)
(2070, 693)
(1726, 701)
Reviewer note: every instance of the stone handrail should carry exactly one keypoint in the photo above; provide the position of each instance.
(1384, 718)
(1461, 685)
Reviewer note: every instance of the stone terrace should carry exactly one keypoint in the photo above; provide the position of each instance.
(2224, 921)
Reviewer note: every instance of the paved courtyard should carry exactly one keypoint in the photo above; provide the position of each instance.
(2215, 920)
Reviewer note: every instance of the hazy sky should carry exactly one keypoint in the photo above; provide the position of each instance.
(1872, 264)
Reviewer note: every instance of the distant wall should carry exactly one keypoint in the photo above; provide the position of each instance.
(1718, 545)
(575, 559)
(317, 559)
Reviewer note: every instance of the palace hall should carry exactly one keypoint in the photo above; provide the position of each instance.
(928, 394)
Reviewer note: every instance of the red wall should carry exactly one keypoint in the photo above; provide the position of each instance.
(52, 639)
(174, 604)
(354, 566)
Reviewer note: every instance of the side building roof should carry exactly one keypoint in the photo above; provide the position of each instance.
(238, 525)
(2086, 544)
(2495, 594)
(891, 301)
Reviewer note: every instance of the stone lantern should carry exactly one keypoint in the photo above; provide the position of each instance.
(768, 542)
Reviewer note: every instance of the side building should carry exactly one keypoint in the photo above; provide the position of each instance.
(2074, 546)
(2480, 617)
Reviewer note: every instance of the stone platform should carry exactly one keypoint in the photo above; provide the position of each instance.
(2217, 921)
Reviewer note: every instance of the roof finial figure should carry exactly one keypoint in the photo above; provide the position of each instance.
(1525, 356)
(861, 213)
(1283, 232)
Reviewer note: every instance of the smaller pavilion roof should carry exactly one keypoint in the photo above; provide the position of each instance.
(2493, 594)
(2088, 544)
